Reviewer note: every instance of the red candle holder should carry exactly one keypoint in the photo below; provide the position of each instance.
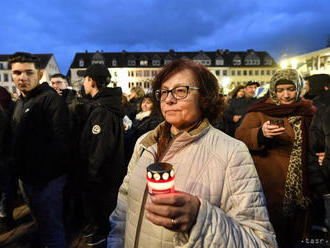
(160, 178)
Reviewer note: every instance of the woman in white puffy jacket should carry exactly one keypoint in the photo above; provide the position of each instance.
(218, 199)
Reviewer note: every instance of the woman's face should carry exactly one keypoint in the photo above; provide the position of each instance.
(146, 105)
(286, 93)
(132, 95)
(240, 93)
(181, 113)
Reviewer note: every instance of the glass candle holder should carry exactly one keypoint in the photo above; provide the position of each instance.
(160, 178)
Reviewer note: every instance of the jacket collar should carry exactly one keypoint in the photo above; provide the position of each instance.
(181, 138)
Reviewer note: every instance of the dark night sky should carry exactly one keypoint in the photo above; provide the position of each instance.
(64, 27)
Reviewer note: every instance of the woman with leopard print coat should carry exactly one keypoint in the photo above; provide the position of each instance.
(276, 131)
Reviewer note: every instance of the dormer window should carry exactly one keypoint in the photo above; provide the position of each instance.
(131, 62)
(219, 62)
(143, 62)
(237, 62)
(156, 62)
(98, 62)
(81, 63)
(268, 62)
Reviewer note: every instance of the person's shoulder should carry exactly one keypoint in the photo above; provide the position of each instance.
(219, 141)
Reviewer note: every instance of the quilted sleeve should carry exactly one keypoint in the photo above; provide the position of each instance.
(243, 219)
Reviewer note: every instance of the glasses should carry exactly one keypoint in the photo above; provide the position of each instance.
(178, 93)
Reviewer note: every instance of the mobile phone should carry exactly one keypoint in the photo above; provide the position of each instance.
(277, 122)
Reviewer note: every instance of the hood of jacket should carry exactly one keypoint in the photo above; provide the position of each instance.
(109, 98)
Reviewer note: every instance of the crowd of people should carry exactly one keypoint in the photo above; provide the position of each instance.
(249, 171)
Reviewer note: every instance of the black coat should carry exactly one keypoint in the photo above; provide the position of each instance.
(41, 142)
(237, 106)
(134, 107)
(139, 127)
(319, 141)
(102, 140)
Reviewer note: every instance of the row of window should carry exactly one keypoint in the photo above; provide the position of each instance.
(145, 73)
(245, 72)
(145, 85)
(132, 62)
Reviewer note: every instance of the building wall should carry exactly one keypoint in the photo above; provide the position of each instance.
(6, 80)
(50, 69)
(228, 77)
(310, 63)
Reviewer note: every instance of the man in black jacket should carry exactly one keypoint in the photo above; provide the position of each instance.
(234, 115)
(40, 126)
(102, 151)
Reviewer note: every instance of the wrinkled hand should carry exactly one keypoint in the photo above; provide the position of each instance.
(270, 131)
(179, 206)
(321, 157)
(236, 118)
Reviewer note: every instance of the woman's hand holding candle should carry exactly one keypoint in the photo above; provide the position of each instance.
(177, 211)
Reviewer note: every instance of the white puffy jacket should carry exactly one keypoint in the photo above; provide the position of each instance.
(211, 165)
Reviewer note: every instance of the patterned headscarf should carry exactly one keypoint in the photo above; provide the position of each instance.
(282, 76)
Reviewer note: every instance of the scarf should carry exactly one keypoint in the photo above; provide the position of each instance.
(299, 115)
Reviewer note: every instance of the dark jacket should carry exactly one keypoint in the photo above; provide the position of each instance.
(322, 99)
(319, 141)
(139, 128)
(69, 95)
(237, 106)
(102, 139)
(40, 126)
(134, 107)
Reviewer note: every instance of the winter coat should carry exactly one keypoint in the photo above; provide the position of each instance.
(271, 158)
(322, 99)
(102, 140)
(319, 141)
(139, 128)
(134, 107)
(211, 165)
(237, 106)
(41, 136)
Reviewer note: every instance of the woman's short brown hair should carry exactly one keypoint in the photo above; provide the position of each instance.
(209, 101)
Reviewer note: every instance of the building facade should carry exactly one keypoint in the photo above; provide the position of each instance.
(130, 69)
(310, 63)
(48, 66)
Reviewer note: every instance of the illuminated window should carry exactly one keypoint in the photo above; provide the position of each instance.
(143, 62)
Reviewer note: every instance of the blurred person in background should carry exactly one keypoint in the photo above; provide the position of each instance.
(147, 119)
(135, 98)
(59, 82)
(236, 111)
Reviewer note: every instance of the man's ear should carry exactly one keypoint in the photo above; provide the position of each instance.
(41, 73)
(326, 88)
(93, 83)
